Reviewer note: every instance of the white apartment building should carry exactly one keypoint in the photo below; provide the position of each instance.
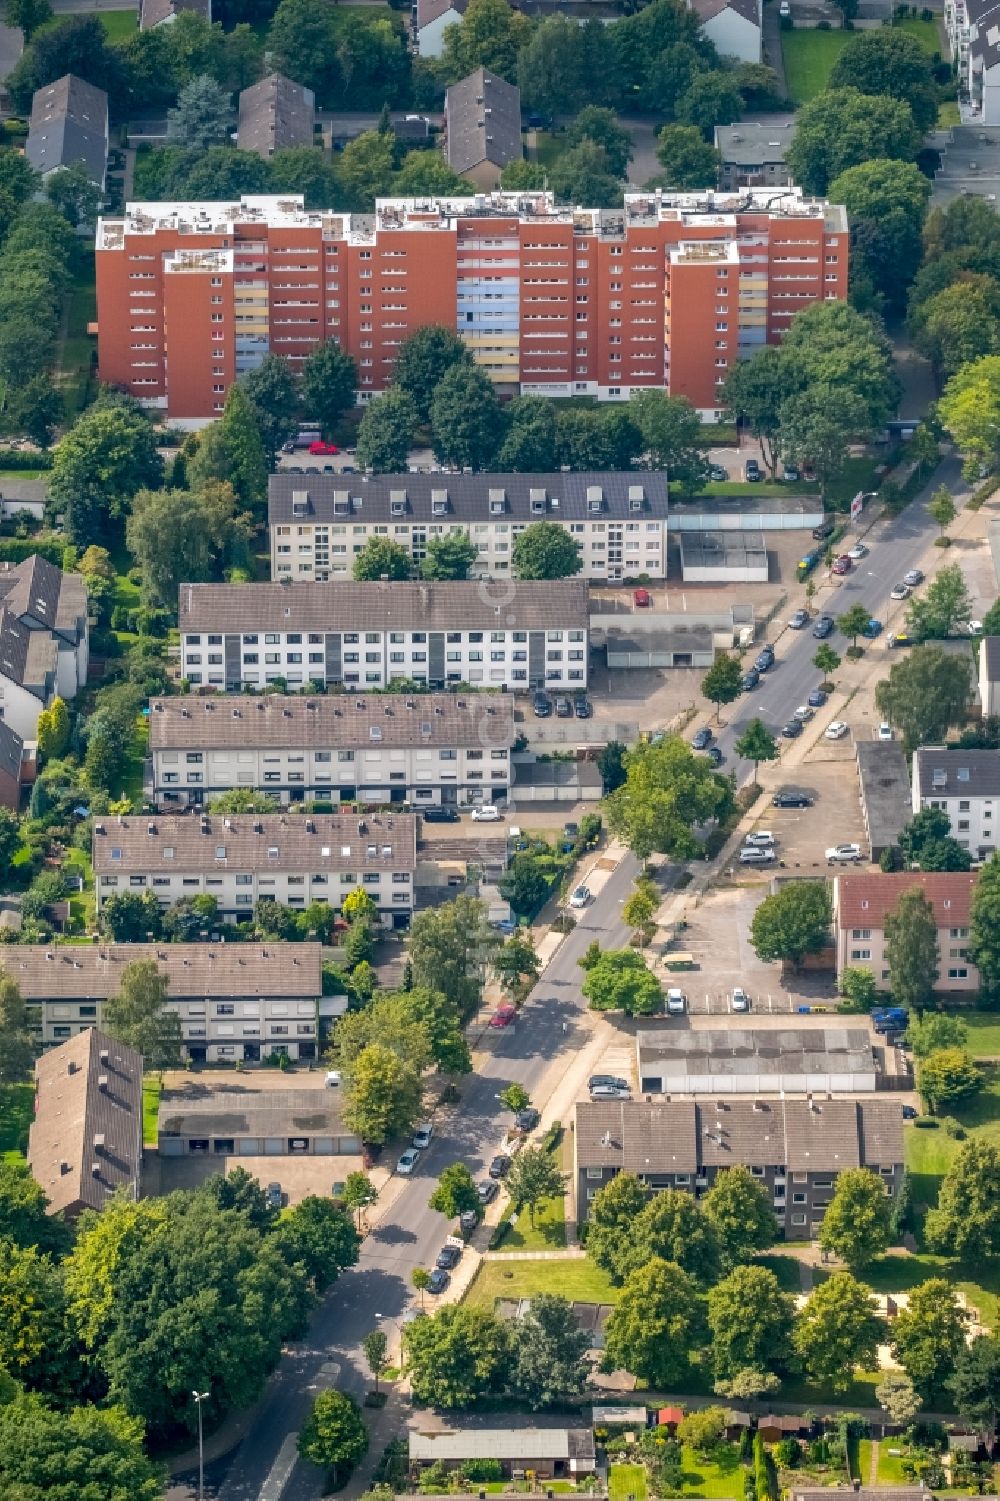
(425, 750)
(240, 858)
(320, 522)
(973, 28)
(235, 1000)
(44, 640)
(965, 784)
(365, 636)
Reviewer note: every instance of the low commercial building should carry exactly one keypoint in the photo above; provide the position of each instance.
(965, 784)
(241, 858)
(235, 1000)
(745, 1061)
(884, 785)
(862, 902)
(723, 557)
(44, 640)
(69, 128)
(752, 152)
(550, 1453)
(482, 121)
(253, 1123)
(796, 1148)
(366, 635)
(555, 782)
(659, 646)
(85, 1142)
(427, 750)
(319, 523)
(276, 114)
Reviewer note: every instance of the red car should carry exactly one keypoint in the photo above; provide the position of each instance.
(321, 448)
(641, 598)
(842, 564)
(503, 1016)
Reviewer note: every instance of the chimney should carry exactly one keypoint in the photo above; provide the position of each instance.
(102, 1083)
(95, 1169)
(63, 1169)
(105, 1056)
(99, 1141)
(71, 1067)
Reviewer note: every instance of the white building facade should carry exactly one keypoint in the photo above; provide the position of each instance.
(965, 784)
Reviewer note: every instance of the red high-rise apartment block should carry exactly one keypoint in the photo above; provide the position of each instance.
(667, 292)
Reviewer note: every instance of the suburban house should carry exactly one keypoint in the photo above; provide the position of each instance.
(752, 152)
(482, 121)
(276, 114)
(319, 523)
(989, 676)
(741, 1060)
(85, 1142)
(735, 27)
(884, 783)
(365, 635)
(241, 857)
(965, 784)
(548, 1453)
(795, 1147)
(18, 762)
(68, 127)
(235, 1000)
(253, 1123)
(427, 750)
(862, 902)
(44, 640)
(429, 19)
(163, 12)
(973, 28)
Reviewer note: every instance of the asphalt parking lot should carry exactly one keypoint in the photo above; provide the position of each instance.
(829, 776)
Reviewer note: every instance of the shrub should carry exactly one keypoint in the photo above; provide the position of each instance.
(483, 1470)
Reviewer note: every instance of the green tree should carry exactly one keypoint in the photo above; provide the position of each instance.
(10, 837)
(449, 557)
(334, 1435)
(757, 744)
(889, 61)
(857, 1225)
(655, 1326)
(34, 1338)
(382, 558)
(738, 1206)
(549, 1368)
(37, 406)
(426, 173)
(970, 410)
(241, 1191)
(128, 917)
(99, 465)
(242, 800)
(831, 344)
(65, 1454)
(421, 1279)
(382, 1095)
(545, 550)
(672, 435)
(456, 1192)
(489, 35)
(723, 681)
(622, 981)
(687, 159)
(934, 1030)
(857, 985)
(514, 1098)
(795, 921)
(425, 358)
(466, 420)
(946, 1078)
(201, 115)
(754, 392)
(27, 15)
(329, 381)
(886, 202)
(457, 1356)
(911, 950)
(231, 452)
(668, 792)
(358, 905)
(614, 1209)
(53, 730)
(534, 1175)
(640, 909)
(359, 1194)
(926, 841)
(942, 608)
(826, 660)
(817, 427)
(841, 128)
(928, 1335)
(24, 1219)
(959, 324)
(926, 692)
(273, 392)
(366, 170)
(552, 67)
(529, 445)
(594, 123)
(140, 1015)
(984, 930)
(450, 947)
(897, 1397)
(376, 1348)
(750, 1322)
(853, 621)
(966, 1222)
(385, 432)
(318, 1235)
(974, 1384)
(516, 964)
(611, 765)
(673, 1228)
(837, 1331)
(177, 537)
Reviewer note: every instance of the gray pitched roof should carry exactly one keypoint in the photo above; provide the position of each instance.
(44, 597)
(45, 972)
(154, 12)
(275, 114)
(944, 772)
(69, 125)
(276, 721)
(706, 10)
(350, 606)
(11, 750)
(990, 650)
(466, 497)
(429, 10)
(86, 1138)
(680, 1136)
(319, 842)
(483, 121)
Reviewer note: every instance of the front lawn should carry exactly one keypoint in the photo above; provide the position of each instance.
(575, 1278)
(787, 1269)
(119, 25)
(548, 1233)
(810, 55)
(17, 1108)
(627, 1483)
(708, 1477)
(890, 1466)
(984, 1033)
(152, 1087)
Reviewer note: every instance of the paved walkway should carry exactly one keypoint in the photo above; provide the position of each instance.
(569, 1253)
(873, 1466)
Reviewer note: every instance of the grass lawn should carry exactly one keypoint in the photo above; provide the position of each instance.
(576, 1279)
(809, 55)
(626, 1481)
(549, 147)
(131, 777)
(860, 1393)
(119, 24)
(709, 1478)
(152, 1085)
(785, 1268)
(890, 1466)
(984, 1033)
(76, 352)
(17, 1107)
(548, 1233)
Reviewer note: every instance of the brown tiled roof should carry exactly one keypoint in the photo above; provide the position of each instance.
(680, 1136)
(865, 900)
(314, 842)
(275, 114)
(707, 10)
(429, 10)
(349, 606)
(86, 1137)
(483, 120)
(93, 972)
(288, 722)
(153, 12)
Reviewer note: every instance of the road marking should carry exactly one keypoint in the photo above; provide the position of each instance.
(281, 1469)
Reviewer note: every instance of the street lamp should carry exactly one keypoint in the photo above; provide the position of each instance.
(199, 1398)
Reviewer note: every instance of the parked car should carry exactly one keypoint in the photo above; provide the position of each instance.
(323, 448)
(823, 627)
(642, 598)
(844, 853)
(884, 731)
(804, 712)
(761, 839)
(973, 627)
(749, 855)
(332, 1079)
(580, 897)
(764, 660)
(714, 755)
(792, 730)
(790, 474)
(468, 1220)
(909, 1113)
(751, 472)
(913, 577)
(583, 707)
(541, 706)
(676, 1001)
(799, 620)
(739, 1000)
(407, 1162)
(824, 530)
(423, 1136)
(841, 565)
(717, 474)
(612, 1079)
(899, 591)
(503, 1016)
(486, 813)
(702, 738)
(274, 1196)
(610, 1092)
(440, 815)
(564, 709)
(438, 1281)
(488, 1191)
(857, 552)
(835, 730)
(447, 1257)
(500, 1166)
(790, 799)
(900, 639)
(817, 698)
(872, 629)
(527, 1119)
(750, 680)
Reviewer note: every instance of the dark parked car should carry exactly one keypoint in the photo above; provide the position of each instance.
(909, 1113)
(717, 474)
(714, 755)
(564, 709)
(702, 739)
(824, 530)
(273, 1195)
(765, 659)
(751, 470)
(440, 815)
(793, 729)
(584, 708)
(527, 1120)
(438, 1282)
(750, 680)
(823, 627)
(913, 577)
(488, 1191)
(468, 1220)
(541, 706)
(447, 1257)
(791, 800)
(611, 1080)
(500, 1166)
(817, 698)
